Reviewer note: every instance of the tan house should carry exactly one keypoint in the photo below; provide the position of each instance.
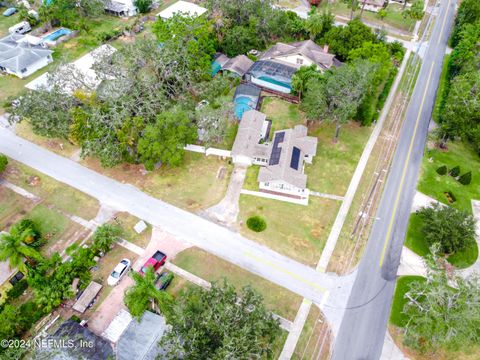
(301, 53)
(373, 5)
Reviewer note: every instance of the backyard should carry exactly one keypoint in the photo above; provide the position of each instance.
(212, 268)
(334, 163)
(435, 185)
(297, 231)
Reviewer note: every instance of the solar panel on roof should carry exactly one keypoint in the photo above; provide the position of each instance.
(276, 150)
(295, 160)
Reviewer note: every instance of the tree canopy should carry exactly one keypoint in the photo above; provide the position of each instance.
(143, 295)
(442, 312)
(447, 226)
(220, 324)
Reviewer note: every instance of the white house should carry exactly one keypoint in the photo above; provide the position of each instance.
(249, 146)
(20, 58)
(182, 7)
(121, 7)
(82, 66)
(373, 5)
(283, 174)
(301, 53)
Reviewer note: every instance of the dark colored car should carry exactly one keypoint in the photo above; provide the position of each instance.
(157, 260)
(163, 280)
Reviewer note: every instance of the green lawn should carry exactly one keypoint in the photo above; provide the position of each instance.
(416, 242)
(251, 182)
(307, 346)
(200, 182)
(297, 231)
(12, 206)
(334, 164)
(212, 268)
(283, 114)
(403, 285)
(54, 227)
(394, 16)
(62, 196)
(6, 22)
(435, 185)
(127, 222)
(442, 85)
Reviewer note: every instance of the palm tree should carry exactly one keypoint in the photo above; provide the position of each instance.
(144, 292)
(14, 250)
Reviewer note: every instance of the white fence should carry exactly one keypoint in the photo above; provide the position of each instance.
(208, 151)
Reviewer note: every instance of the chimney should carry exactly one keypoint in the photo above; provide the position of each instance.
(325, 48)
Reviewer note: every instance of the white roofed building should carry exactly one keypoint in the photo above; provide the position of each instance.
(182, 7)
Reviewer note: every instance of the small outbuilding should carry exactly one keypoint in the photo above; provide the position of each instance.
(184, 8)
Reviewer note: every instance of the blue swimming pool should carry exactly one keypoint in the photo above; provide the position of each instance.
(242, 104)
(276, 82)
(216, 67)
(57, 34)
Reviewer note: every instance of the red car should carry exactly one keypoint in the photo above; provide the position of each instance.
(157, 260)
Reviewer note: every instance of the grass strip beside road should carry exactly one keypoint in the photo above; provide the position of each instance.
(212, 268)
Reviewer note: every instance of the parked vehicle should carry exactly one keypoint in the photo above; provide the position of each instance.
(157, 260)
(20, 28)
(9, 11)
(163, 280)
(120, 270)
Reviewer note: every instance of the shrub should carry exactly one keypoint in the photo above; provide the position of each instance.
(466, 178)
(256, 223)
(454, 172)
(17, 290)
(75, 318)
(442, 170)
(105, 236)
(3, 163)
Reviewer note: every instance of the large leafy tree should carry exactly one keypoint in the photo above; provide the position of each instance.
(318, 24)
(191, 38)
(221, 324)
(468, 13)
(336, 97)
(164, 141)
(447, 226)
(143, 6)
(343, 39)
(14, 250)
(442, 312)
(144, 295)
(302, 76)
(415, 11)
(461, 116)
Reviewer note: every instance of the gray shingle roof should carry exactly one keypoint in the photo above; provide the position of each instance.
(140, 340)
(16, 56)
(283, 171)
(307, 48)
(249, 133)
(239, 64)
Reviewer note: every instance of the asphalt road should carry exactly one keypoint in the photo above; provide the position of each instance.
(216, 239)
(362, 330)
